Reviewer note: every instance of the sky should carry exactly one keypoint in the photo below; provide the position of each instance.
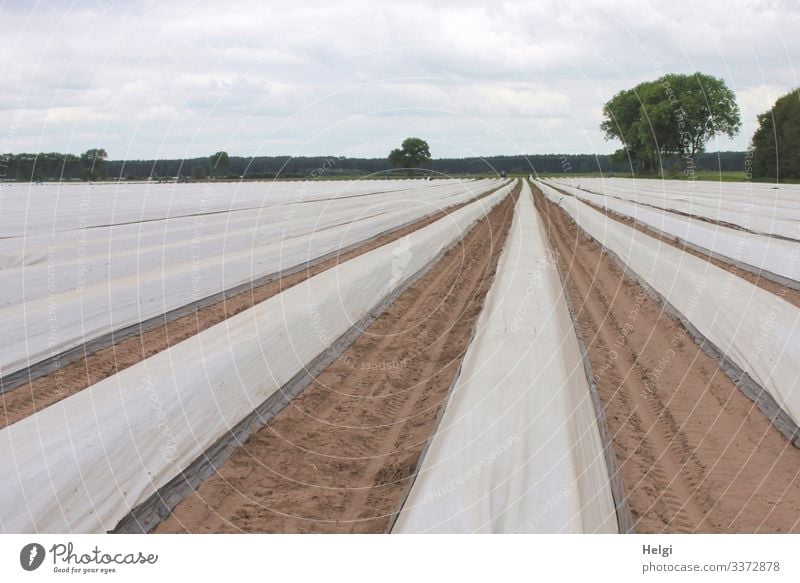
(180, 79)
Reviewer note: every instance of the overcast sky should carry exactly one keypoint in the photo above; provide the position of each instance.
(175, 79)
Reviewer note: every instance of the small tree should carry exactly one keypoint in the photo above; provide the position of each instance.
(218, 163)
(198, 173)
(93, 164)
(412, 153)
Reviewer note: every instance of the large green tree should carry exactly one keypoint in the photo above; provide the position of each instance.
(412, 153)
(218, 163)
(672, 117)
(776, 142)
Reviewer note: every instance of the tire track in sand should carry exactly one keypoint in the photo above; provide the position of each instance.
(694, 453)
(341, 455)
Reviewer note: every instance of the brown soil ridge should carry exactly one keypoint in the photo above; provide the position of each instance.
(80, 374)
(341, 456)
(694, 454)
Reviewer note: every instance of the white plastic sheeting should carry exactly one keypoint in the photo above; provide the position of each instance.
(758, 207)
(518, 448)
(30, 209)
(762, 252)
(81, 464)
(68, 287)
(755, 329)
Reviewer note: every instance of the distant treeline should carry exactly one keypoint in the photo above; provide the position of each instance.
(55, 166)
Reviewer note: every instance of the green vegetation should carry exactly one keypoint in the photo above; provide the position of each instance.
(55, 166)
(218, 163)
(670, 118)
(776, 142)
(93, 164)
(412, 153)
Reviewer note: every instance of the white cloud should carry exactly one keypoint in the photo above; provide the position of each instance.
(73, 115)
(183, 78)
(758, 99)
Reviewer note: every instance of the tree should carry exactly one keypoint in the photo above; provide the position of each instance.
(412, 153)
(218, 163)
(198, 173)
(673, 116)
(776, 142)
(93, 164)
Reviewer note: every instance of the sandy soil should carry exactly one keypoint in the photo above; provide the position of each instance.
(340, 457)
(694, 453)
(80, 374)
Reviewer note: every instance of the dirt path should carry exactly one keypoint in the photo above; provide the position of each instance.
(339, 458)
(694, 453)
(80, 374)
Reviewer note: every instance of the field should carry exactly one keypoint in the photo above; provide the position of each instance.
(701, 176)
(578, 354)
